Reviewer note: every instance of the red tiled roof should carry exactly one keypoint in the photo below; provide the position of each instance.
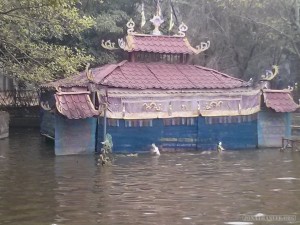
(166, 76)
(77, 80)
(280, 100)
(153, 76)
(158, 44)
(80, 79)
(75, 105)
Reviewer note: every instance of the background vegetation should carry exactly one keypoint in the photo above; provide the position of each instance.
(42, 40)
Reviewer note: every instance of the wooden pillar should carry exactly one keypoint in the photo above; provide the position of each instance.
(94, 98)
(181, 58)
(187, 58)
(104, 122)
(132, 57)
(105, 117)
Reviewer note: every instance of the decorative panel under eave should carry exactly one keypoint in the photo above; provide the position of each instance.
(171, 106)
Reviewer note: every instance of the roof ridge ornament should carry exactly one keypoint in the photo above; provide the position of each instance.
(108, 45)
(289, 88)
(271, 74)
(121, 43)
(111, 45)
(202, 47)
(130, 25)
(88, 72)
(182, 29)
(156, 21)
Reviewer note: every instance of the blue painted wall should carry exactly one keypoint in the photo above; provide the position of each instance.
(199, 136)
(75, 136)
(272, 127)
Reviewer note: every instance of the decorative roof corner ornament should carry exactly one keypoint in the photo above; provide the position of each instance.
(157, 21)
(250, 82)
(45, 105)
(202, 47)
(130, 25)
(88, 73)
(108, 45)
(58, 89)
(59, 107)
(182, 29)
(290, 88)
(121, 43)
(271, 74)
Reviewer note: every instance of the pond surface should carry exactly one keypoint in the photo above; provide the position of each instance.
(176, 188)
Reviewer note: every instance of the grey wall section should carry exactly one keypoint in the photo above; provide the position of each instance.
(4, 124)
(6, 83)
(272, 127)
(47, 124)
(75, 136)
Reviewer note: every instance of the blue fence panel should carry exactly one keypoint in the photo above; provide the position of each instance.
(180, 137)
(198, 135)
(232, 135)
(131, 139)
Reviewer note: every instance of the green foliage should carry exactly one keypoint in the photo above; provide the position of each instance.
(42, 40)
(110, 17)
(32, 35)
(106, 157)
(246, 36)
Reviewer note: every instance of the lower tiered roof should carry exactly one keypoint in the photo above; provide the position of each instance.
(137, 75)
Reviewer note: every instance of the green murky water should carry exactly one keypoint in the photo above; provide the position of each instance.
(179, 188)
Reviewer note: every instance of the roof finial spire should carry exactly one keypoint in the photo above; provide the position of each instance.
(158, 9)
(157, 20)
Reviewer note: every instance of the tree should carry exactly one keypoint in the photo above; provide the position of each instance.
(110, 24)
(239, 46)
(279, 19)
(32, 39)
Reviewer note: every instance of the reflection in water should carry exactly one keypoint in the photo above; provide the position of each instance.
(179, 188)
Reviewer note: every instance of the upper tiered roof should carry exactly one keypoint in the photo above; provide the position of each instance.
(156, 43)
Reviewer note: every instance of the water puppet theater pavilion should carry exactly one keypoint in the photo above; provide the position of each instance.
(156, 96)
